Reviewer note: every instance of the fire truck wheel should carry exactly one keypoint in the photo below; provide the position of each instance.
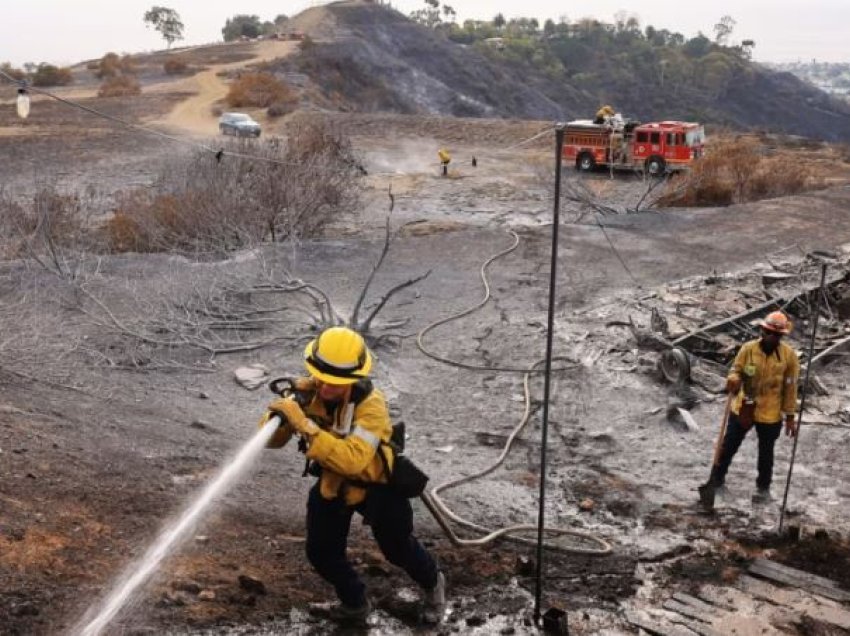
(656, 166)
(585, 162)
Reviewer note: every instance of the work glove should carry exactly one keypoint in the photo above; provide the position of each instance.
(790, 426)
(733, 384)
(289, 410)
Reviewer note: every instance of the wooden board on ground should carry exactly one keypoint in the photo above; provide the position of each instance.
(797, 578)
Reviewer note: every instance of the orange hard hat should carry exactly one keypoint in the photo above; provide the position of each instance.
(776, 322)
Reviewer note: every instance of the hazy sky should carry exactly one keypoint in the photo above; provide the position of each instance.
(69, 31)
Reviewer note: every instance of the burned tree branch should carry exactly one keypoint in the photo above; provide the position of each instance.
(355, 312)
(364, 328)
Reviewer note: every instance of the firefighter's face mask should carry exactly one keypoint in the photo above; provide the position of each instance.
(770, 340)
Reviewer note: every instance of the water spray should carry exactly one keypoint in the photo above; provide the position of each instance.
(173, 535)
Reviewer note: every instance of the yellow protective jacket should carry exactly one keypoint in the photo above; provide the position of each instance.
(348, 444)
(774, 383)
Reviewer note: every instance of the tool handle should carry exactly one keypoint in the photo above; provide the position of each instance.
(718, 445)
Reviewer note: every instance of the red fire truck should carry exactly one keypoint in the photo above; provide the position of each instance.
(656, 148)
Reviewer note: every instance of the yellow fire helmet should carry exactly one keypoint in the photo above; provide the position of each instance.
(338, 356)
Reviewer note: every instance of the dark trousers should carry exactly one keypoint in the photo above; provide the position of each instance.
(735, 434)
(391, 518)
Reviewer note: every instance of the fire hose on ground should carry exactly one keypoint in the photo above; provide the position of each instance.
(441, 512)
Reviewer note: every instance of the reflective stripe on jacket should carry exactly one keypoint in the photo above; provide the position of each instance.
(348, 450)
(774, 384)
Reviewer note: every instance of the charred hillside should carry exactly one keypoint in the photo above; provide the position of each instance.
(379, 60)
(368, 58)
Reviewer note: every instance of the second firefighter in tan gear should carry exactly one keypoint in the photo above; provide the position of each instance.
(764, 379)
(346, 425)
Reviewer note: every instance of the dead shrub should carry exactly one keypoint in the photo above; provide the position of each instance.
(119, 86)
(108, 66)
(782, 176)
(175, 65)
(124, 234)
(13, 72)
(200, 204)
(258, 89)
(49, 75)
(736, 170)
(49, 227)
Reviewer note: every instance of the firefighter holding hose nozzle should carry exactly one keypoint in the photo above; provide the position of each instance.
(346, 428)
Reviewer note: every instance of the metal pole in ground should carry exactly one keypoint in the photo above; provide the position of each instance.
(805, 393)
(559, 146)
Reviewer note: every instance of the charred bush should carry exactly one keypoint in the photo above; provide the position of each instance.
(736, 170)
(112, 65)
(202, 203)
(50, 227)
(119, 86)
(49, 75)
(258, 89)
(175, 65)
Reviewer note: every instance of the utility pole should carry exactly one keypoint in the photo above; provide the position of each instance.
(553, 273)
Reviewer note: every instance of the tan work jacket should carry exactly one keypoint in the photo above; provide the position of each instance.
(773, 384)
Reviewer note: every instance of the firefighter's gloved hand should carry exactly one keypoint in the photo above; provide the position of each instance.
(790, 425)
(733, 384)
(290, 411)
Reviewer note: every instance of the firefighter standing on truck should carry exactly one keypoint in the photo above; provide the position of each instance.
(345, 425)
(764, 379)
(604, 115)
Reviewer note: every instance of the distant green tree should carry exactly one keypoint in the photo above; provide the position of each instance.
(281, 19)
(249, 26)
(698, 46)
(549, 27)
(499, 21)
(167, 22)
(430, 16)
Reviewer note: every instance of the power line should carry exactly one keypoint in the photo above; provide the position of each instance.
(218, 153)
(617, 253)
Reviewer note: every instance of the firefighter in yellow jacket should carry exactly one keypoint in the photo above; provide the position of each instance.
(346, 425)
(764, 380)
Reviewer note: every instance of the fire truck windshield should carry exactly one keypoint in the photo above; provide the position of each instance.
(695, 137)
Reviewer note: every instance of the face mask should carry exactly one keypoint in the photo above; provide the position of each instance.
(769, 343)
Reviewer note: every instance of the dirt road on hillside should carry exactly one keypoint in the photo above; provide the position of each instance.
(195, 115)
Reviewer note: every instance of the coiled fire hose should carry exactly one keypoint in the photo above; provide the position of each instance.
(441, 512)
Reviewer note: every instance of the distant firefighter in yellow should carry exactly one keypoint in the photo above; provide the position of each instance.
(604, 114)
(445, 159)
